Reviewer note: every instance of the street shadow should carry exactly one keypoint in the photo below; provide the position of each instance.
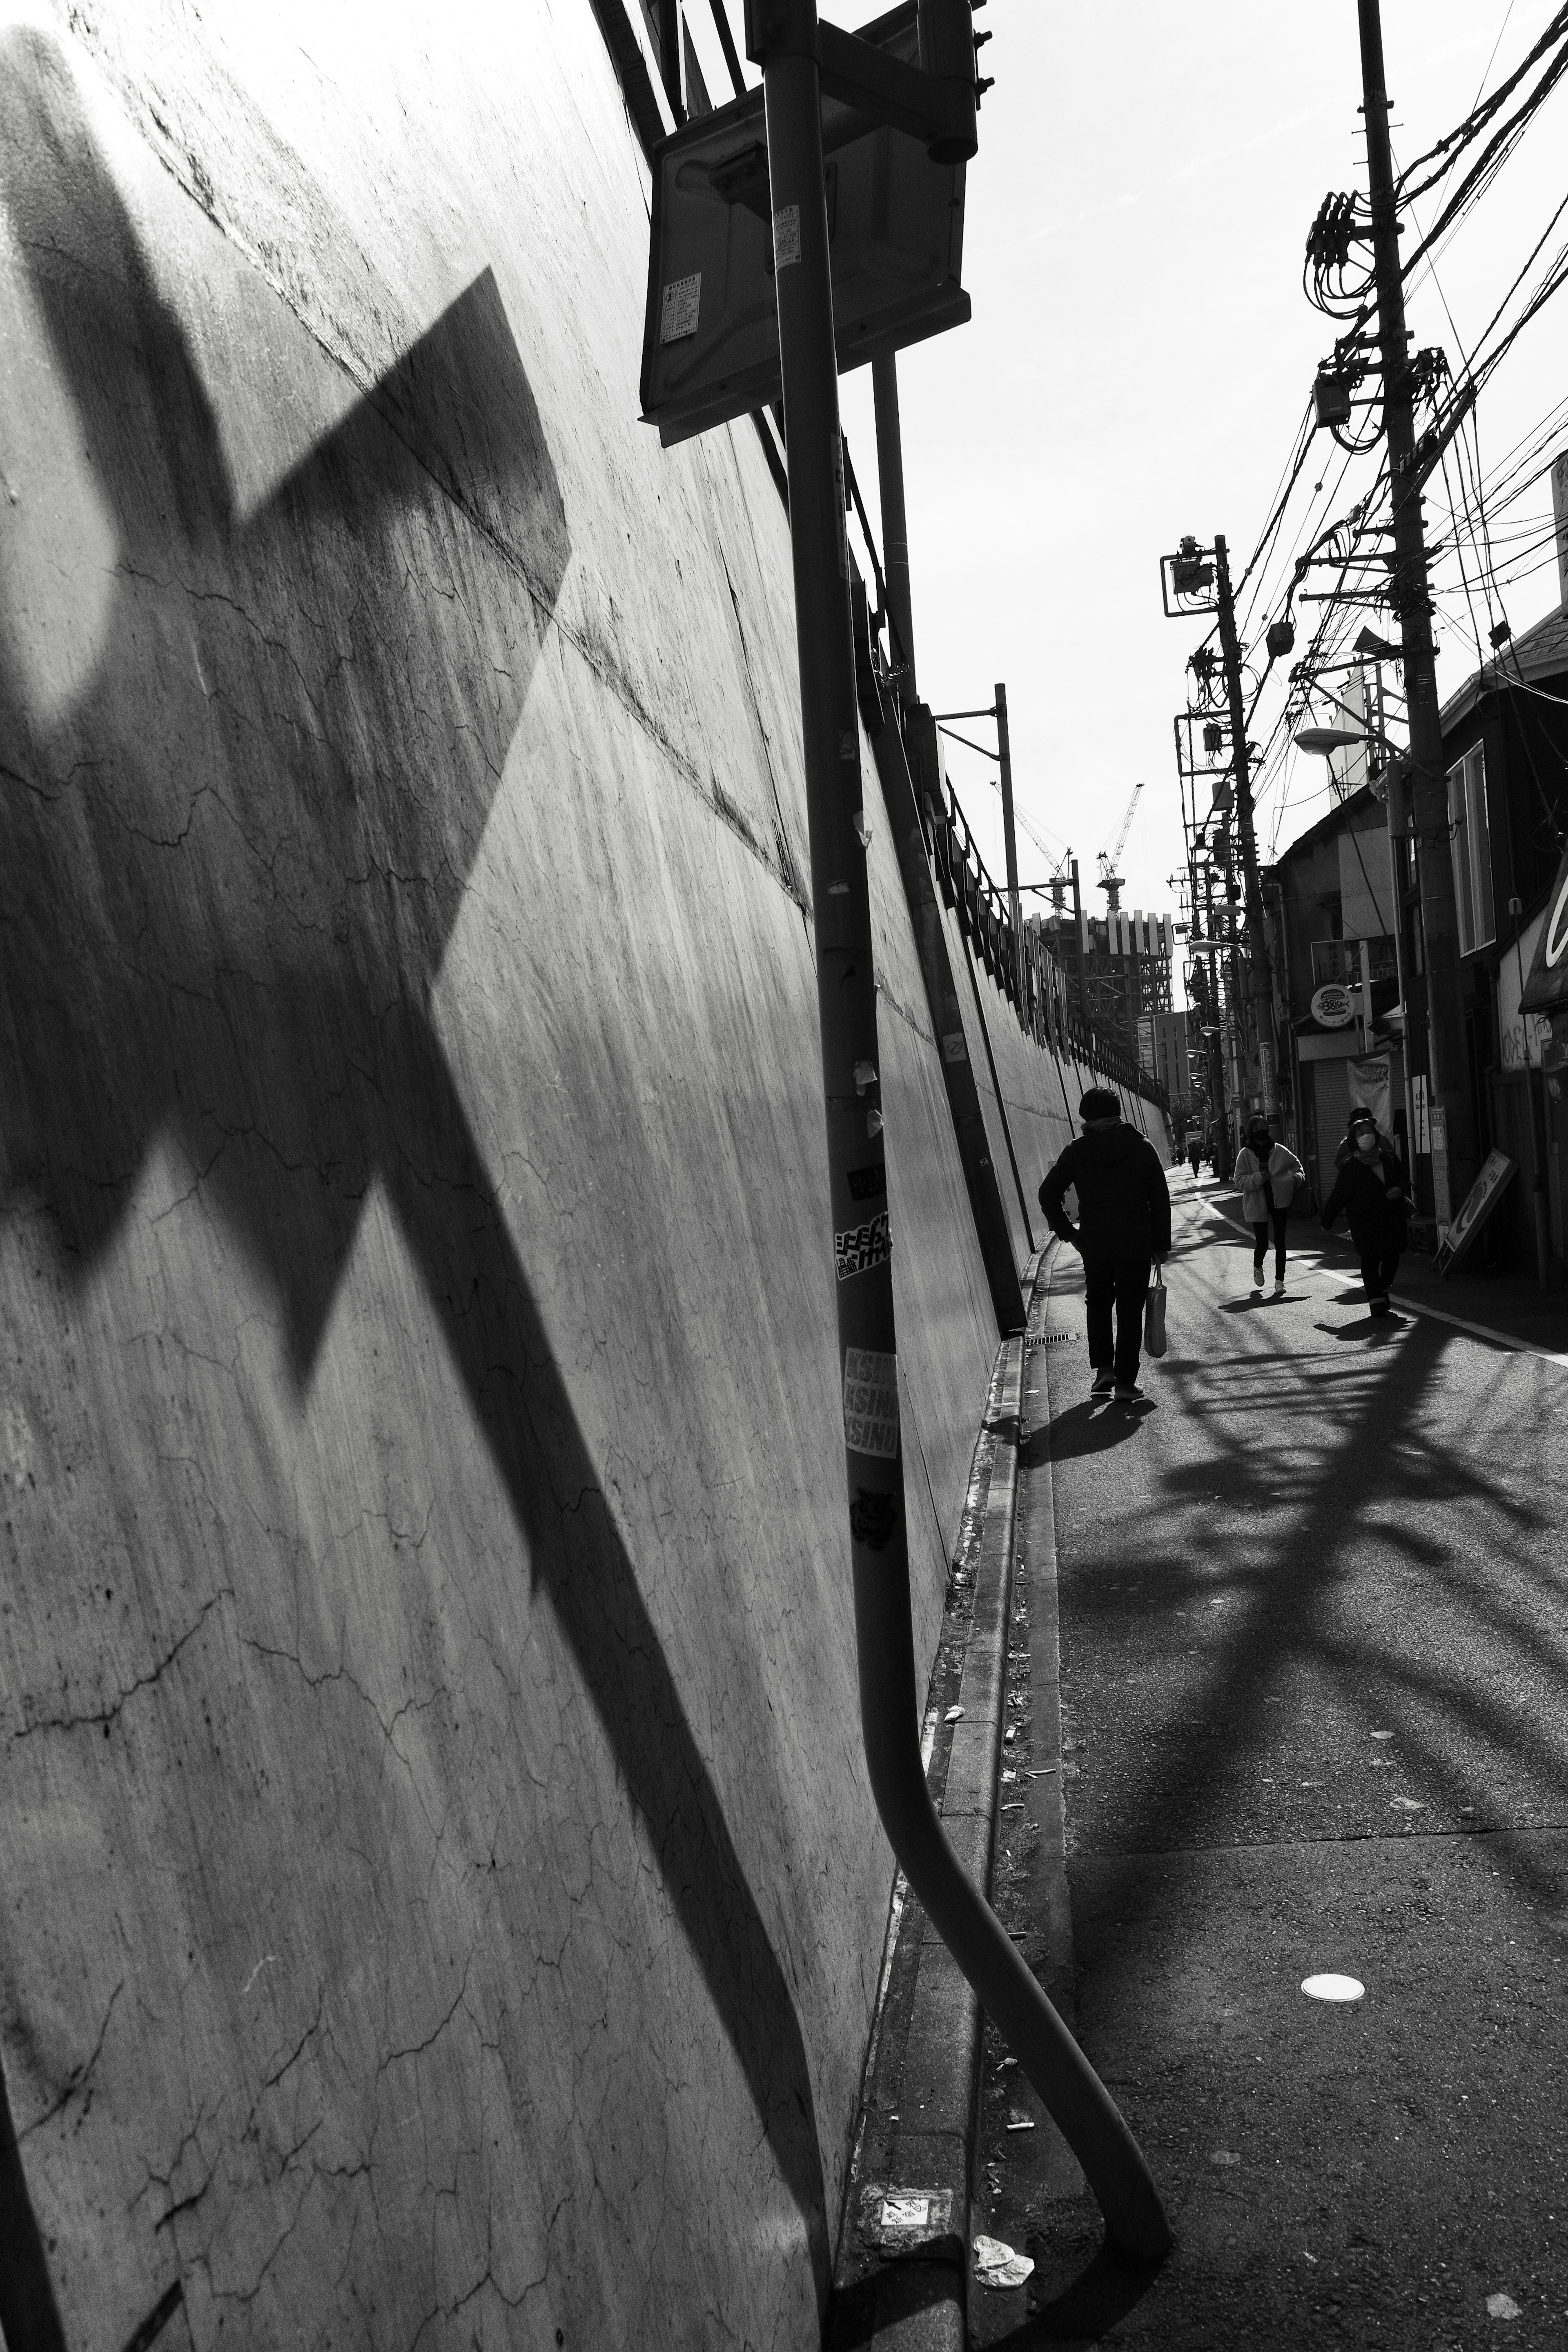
(29, 2316)
(1086, 1428)
(1365, 1328)
(228, 891)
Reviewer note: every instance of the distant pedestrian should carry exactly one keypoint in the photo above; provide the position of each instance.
(1268, 1174)
(1196, 1152)
(1123, 1224)
(1373, 1188)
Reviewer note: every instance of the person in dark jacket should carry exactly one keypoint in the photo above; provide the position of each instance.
(1123, 1222)
(1373, 1190)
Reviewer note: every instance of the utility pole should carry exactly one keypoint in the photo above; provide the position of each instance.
(1079, 949)
(895, 527)
(787, 40)
(1411, 599)
(1260, 991)
(1010, 842)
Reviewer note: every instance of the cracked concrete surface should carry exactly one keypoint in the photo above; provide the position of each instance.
(439, 1896)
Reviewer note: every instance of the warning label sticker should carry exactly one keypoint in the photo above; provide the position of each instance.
(682, 298)
(861, 1247)
(786, 235)
(871, 1402)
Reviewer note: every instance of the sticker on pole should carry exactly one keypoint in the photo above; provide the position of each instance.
(787, 236)
(871, 1402)
(861, 1247)
(682, 300)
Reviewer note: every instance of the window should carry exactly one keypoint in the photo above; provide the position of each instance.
(1472, 847)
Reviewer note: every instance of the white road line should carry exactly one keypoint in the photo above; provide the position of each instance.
(1414, 1306)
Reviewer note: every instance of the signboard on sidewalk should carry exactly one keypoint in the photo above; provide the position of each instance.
(1482, 1198)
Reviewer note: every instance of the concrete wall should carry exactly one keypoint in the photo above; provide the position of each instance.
(440, 1900)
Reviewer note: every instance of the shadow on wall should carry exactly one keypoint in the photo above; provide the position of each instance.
(227, 923)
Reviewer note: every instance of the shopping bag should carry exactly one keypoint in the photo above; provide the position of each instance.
(1154, 1317)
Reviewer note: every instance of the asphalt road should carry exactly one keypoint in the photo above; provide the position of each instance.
(1313, 1598)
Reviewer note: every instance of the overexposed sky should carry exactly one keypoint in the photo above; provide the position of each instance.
(1140, 358)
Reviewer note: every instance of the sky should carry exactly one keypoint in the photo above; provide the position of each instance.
(1138, 363)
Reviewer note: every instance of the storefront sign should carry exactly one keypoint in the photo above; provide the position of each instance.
(1546, 990)
(1333, 1005)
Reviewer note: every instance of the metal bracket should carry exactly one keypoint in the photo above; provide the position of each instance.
(938, 110)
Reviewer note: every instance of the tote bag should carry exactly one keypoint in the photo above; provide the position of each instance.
(1154, 1317)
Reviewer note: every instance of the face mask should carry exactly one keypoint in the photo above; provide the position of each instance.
(1365, 1140)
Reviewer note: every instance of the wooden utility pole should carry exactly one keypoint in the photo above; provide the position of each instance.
(1442, 1030)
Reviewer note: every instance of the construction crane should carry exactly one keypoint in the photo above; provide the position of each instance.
(1058, 878)
(1109, 860)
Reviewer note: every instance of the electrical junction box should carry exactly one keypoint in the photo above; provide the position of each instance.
(895, 222)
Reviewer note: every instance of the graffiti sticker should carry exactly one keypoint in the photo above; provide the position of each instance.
(861, 1247)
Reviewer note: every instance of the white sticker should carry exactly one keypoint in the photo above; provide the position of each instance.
(871, 1402)
(953, 1046)
(905, 2213)
(682, 297)
(787, 236)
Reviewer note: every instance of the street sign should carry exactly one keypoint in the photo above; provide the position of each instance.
(895, 225)
(1334, 1006)
(1482, 1198)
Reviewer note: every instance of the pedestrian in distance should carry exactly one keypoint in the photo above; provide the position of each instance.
(1371, 1188)
(1268, 1174)
(1123, 1227)
(1196, 1152)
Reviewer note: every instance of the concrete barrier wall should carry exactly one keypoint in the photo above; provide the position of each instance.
(1040, 1088)
(439, 1896)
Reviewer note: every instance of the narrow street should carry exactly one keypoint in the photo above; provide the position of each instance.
(1313, 1602)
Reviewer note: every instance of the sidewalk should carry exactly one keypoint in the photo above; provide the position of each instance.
(1313, 1627)
(1513, 1305)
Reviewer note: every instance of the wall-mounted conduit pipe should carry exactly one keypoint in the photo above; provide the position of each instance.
(782, 37)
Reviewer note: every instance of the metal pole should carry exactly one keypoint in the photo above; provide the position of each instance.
(1260, 992)
(1010, 839)
(895, 527)
(1412, 603)
(781, 37)
(1078, 933)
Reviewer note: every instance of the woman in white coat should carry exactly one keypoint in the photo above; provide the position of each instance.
(1268, 1174)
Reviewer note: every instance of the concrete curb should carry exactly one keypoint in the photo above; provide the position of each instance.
(901, 2274)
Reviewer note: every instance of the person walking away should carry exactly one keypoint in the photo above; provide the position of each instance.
(1268, 1174)
(1195, 1152)
(1123, 1225)
(1371, 1189)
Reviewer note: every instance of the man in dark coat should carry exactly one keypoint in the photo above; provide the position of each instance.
(1123, 1221)
(1373, 1188)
